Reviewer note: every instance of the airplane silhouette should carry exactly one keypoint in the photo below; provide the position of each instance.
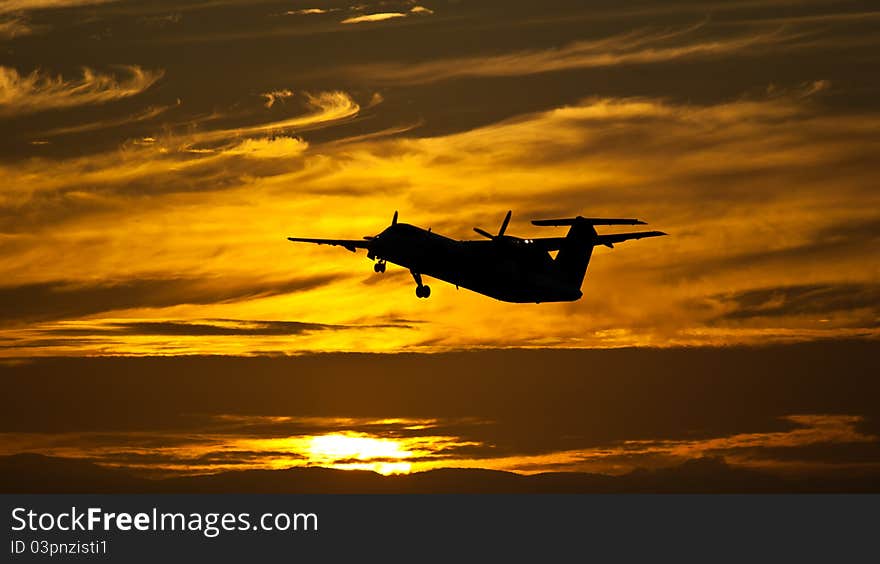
(504, 267)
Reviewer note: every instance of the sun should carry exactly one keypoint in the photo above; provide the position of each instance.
(359, 451)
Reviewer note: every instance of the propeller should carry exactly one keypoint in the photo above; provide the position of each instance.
(501, 231)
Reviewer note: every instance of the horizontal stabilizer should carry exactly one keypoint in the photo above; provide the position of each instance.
(555, 243)
(609, 240)
(586, 221)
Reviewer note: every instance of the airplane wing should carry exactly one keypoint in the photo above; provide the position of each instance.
(350, 244)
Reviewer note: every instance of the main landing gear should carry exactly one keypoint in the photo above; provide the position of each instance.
(379, 266)
(422, 290)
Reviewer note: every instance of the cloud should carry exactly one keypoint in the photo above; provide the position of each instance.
(752, 449)
(740, 184)
(202, 328)
(13, 27)
(276, 96)
(142, 116)
(310, 11)
(378, 17)
(38, 91)
(328, 108)
(806, 299)
(197, 159)
(65, 299)
(636, 47)
(786, 408)
(273, 147)
(413, 445)
(7, 6)
(162, 20)
(215, 327)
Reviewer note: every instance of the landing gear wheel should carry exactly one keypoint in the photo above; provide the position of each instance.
(422, 291)
(379, 266)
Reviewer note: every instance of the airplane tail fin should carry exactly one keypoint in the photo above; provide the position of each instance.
(575, 252)
(577, 247)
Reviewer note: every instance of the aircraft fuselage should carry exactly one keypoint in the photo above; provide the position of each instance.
(507, 270)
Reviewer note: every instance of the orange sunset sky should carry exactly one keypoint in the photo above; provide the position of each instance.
(156, 155)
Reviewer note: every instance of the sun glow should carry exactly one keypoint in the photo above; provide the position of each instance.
(348, 450)
(353, 451)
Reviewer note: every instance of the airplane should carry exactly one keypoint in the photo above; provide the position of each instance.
(504, 267)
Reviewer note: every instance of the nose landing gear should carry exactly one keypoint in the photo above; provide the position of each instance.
(379, 266)
(422, 290)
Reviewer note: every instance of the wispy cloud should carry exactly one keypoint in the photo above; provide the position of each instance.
(200, 328)
(7, 6)
(823, 300)
(276, 96)
(161, 20)
(269, 147)
(62, 299)
(142, 116)
(328, 108)
(310, 11)
(377, 17)
(39, 91)
(14, 26)
(637, 47)
(197, 159)
(384, 16)
(770, 449)
(228, 442)
(741, 185)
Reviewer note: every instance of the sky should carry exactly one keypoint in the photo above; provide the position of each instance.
(804, 411)
(156, 156)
